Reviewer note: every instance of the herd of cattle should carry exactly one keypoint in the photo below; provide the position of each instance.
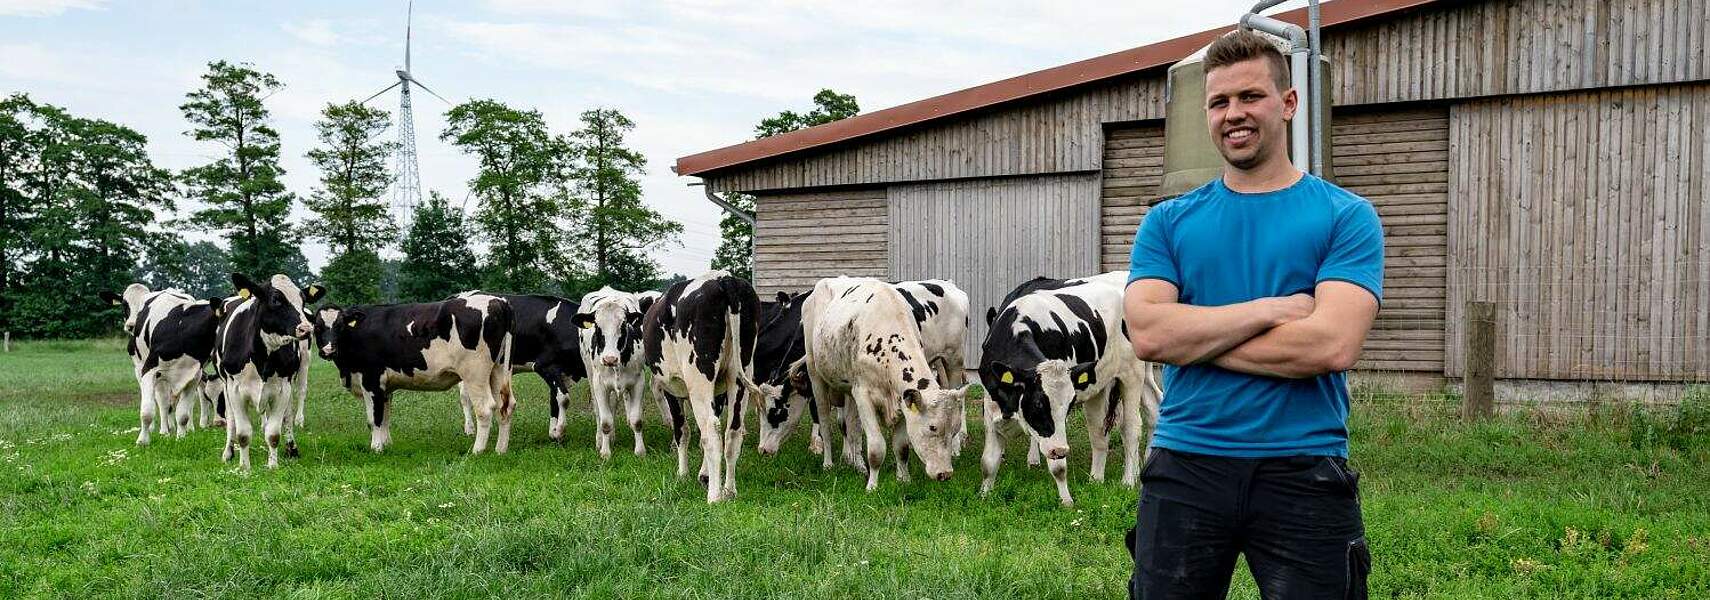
(866, 359)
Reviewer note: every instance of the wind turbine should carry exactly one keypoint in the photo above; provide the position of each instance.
(407, 189)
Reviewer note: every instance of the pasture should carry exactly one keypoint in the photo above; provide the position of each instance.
(1532, 504)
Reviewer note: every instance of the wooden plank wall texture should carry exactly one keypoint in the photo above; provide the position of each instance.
(1586, 218)
(1398, 159)
(1471, 49)
(1133, 168)
(989, 235)
(803, 237)
(1440, 52)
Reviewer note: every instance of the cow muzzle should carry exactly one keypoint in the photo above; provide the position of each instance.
(1057, 452)
(303, 330)
(944, 475)
(610, 360)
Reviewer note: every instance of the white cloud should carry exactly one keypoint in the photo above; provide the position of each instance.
(45, 8)
(317, 32)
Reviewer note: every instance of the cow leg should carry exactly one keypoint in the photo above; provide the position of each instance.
(1032, 451)
(1097, 410)
(852, 438)
(822, 400)
(899, 440)
(602, 393)
(481, 402)
(555, 394)
(992, 458)
(870, 429)
(228, 388)
(735, 429)
(379, 404)
(162, 401)
(506, 399)
(301, 385)
(816, 438)
(632, 409)
(468, 409)
(278, 403)
(1059, 468)
(146, 414)
(241, 428)
(712, 442)
(293, 417)
(1133, 444)
(673, 411)
(183, 404)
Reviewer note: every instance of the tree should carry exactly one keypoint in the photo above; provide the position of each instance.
(437, 260)
(518, 215)
(351, 218)
(243, 198)
(617, 229)
(735, 254)
(202, 269)
(17, 151)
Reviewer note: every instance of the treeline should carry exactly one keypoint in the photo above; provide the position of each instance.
(83, 208)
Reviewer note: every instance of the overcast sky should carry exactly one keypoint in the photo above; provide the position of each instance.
(694, 75)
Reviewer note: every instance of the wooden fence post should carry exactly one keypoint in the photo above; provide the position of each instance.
(1479, 397)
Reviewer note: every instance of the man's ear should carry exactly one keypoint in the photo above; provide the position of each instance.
(314, 293)
(112, 298)
(1083, 375)
(246, 289)
(583, 320)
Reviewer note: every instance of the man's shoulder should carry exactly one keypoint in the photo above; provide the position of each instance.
(1339, 197)
(1186, 201)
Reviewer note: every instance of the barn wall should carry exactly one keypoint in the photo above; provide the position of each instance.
(989, 235)
(1133, 168)
(1584, 217)
(1472, 49)
(800, 238)
(1050, 135)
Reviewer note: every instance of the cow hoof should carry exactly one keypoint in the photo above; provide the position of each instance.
(219, 422)
(291, 451)
(640, 451)
(1068, 502)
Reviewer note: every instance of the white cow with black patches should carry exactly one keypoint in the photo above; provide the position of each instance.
(1053, 345)
(610, 327)
(698, 340)
(170, 336)
(258, 356)
(864, 353)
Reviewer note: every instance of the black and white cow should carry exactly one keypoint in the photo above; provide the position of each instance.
(544, 340)
(863, 347)
(170, 337)
(698, 340)
(429, 346)
(940, 310)
(1055, 344)
(610, 326)
(259, 357)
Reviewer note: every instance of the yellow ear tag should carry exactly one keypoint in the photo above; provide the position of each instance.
(1083, 378)
(243, 293)
(115, 303)
(314, 290)
(350, 323)
(1007, 377)
(588, 325)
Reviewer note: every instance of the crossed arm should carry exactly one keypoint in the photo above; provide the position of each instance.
(1293, 337)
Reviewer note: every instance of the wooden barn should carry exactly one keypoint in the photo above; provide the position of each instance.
(1550, 156)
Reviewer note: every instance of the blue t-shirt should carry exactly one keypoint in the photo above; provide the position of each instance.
(1221, 247)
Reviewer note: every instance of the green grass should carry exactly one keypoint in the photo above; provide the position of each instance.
(1525, 506)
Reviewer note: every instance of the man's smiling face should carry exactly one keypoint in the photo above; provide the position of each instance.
(1247, 113)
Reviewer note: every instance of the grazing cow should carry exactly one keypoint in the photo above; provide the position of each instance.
(544, 340)
(939, 308)
(171, 335)
(698, 339)
(429, 346)
(863, 345)
(259, 357)
(610, 328)
(1058, 343)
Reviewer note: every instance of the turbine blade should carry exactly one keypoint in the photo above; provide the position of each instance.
(425, 89)
(409, 18)
(377, 94)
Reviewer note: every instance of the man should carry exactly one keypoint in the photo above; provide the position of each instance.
(1257, 290)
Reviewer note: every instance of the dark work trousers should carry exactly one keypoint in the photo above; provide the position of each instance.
(1297, 519)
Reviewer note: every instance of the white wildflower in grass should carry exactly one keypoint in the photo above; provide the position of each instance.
(114, 457)
(164, 480)
(89, 488)
(448, 505)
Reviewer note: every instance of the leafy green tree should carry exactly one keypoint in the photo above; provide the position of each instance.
(202, 269)
(518, 215)
(17, 158)
(350, 216)
(437, 260)
(616, 229)
(735, 254)
(242, 196)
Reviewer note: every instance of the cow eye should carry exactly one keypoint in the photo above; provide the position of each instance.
(932, 428)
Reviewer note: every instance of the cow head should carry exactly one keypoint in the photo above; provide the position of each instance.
(930, 418)
(1043, 395)
(610, 325)
(779, 414)
(131, 300)
(333, 325)
(278, 306)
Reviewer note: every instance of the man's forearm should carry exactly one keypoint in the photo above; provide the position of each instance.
(1181, 334)
(1294, 350)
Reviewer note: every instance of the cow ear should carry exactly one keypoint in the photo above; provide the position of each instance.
(352, 318)
(645, 302)
(583, 320)
(314, 293)
(1083, 375)
(991, 315)
(218, 305)
(112, 298)
(245, 287)
(911, 400)
(1004, 375)
(634, 318)
(783, 297)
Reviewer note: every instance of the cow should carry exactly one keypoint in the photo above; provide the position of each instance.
(428, 346)
(864, 346)
(609, 324)
(170, 336)
(940, 310)
(698, 340)
(214, 399)
(1054, 344)
(544, 340)
(258, 355)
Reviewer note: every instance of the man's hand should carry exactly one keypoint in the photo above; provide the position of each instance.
(1293, 307)
(1163, 330)
(1327, 340)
